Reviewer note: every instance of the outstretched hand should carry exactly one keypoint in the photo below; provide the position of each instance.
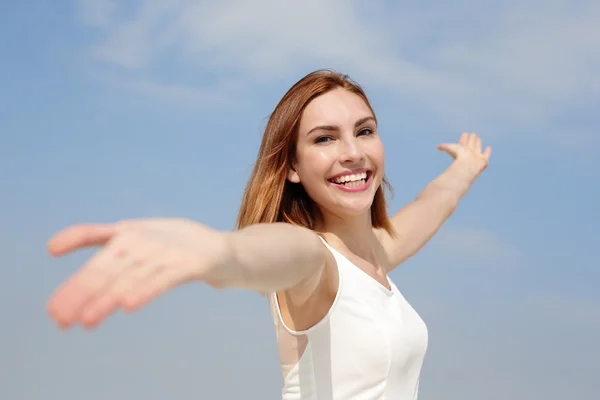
(138, 260)
(468, 153)
(469, 162)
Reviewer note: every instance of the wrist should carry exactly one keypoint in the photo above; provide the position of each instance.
(456, 180)
(222, 272)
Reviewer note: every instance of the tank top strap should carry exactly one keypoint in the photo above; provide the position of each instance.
(324, 241)
(344, 263)
(327, 245)
(340, 261)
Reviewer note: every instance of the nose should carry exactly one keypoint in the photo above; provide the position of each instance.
(351, 151)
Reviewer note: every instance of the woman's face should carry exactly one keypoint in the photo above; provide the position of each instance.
(339, 155)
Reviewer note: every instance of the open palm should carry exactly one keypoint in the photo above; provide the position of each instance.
(468, 152)
(138, 260)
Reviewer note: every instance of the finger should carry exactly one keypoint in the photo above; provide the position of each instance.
(464, 138)
(110, 301)
(80, 236)
(66, 303)
(478, 145)
(472, 141)
(99, 310)
(451, 148)
(487, 153)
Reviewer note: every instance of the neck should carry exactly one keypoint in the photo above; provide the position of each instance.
(354, 234)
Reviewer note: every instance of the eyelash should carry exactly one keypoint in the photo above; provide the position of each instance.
(369, 130)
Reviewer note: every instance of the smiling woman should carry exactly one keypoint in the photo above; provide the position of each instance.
(313, 233)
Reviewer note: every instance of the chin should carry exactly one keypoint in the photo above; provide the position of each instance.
(344, 204)
(351, 209)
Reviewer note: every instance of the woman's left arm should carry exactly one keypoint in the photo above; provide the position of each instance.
(417, 222)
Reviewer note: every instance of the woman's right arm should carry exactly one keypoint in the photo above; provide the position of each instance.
(139, 260)
(269, 258)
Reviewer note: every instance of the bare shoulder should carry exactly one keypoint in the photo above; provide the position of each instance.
(307, 303)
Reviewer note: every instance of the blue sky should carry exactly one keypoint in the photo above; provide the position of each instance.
(156, 108)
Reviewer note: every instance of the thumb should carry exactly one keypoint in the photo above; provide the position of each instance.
(79, 236)
(451, 148)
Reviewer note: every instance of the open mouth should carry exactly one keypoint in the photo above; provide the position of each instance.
(352, 180)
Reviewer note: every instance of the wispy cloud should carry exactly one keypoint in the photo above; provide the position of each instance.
(465, 61)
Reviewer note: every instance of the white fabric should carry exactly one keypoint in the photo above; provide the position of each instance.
(370, 345)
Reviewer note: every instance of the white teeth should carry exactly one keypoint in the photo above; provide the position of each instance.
(353, 184)
(351, 178)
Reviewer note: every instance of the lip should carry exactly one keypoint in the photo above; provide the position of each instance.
(353, 189)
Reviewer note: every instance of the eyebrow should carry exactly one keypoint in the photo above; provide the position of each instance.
(336, 128)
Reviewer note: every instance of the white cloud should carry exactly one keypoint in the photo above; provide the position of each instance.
(219, 93)
(469, 62)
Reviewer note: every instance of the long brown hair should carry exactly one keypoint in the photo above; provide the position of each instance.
(269, 196)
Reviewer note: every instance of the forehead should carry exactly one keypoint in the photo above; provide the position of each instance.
(337, 107)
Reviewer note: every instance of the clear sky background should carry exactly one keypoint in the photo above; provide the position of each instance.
(119, 109)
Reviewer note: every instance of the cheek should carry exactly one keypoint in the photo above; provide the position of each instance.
(377, 153)
(382, 156)
(315, 165)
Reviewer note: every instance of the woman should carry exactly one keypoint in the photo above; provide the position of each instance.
(313, 233)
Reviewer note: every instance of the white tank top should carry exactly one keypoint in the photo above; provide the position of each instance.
(370, 345)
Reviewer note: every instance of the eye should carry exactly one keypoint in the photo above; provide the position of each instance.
(323, 139)
(365, 131)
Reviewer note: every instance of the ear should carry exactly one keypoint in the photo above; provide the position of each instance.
(292, 175)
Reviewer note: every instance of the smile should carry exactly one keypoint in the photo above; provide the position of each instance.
(356, 181)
